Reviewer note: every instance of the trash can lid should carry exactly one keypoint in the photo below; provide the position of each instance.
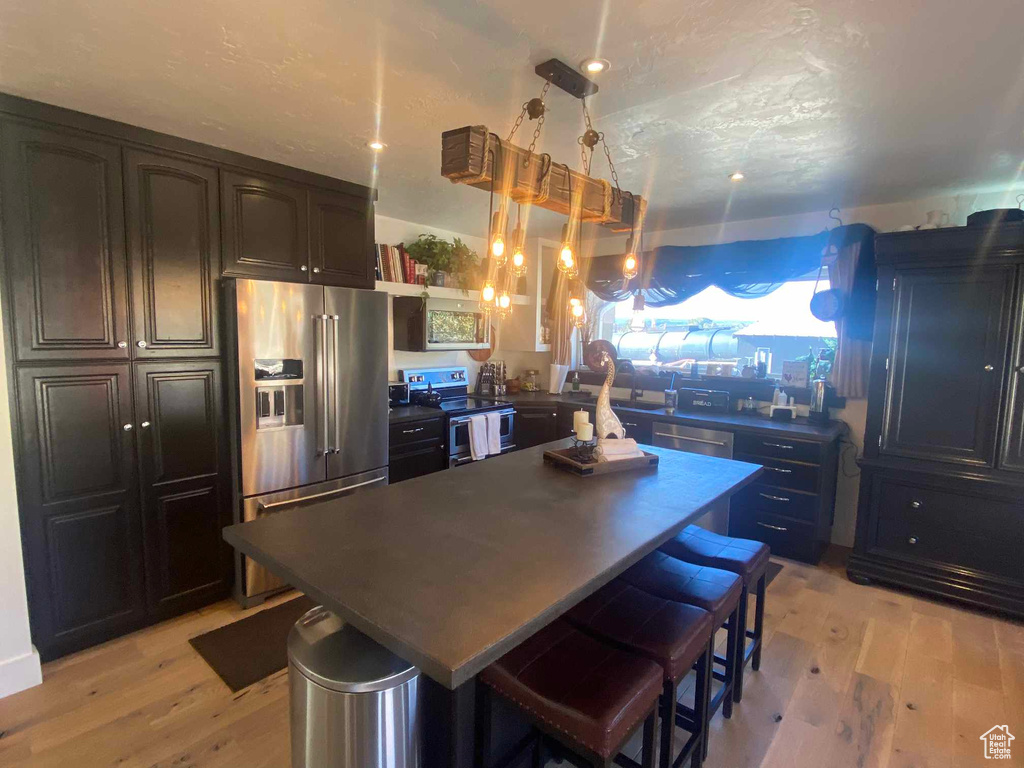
(337, 656)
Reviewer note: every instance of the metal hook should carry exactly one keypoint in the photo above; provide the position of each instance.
(1020, 201)
(835, 218)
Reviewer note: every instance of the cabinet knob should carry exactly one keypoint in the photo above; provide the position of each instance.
(316, 270)
(140, 344)
(144, 424)
(912, 540)
(127, 427)
(122, 345)
(915, 504)
(302, 268)
(989, 368)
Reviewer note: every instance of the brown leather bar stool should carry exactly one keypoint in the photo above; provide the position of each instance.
(747, 559)
(674, 635)
(583, 694)
(714, 590)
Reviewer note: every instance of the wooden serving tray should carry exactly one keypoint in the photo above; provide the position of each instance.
(563, 460)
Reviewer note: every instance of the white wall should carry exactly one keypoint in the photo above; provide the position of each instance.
(884, 218)
(19, 662)
(395, 231)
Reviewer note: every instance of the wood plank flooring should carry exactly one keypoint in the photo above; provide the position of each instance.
(858, 677)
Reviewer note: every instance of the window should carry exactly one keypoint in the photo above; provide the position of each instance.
(722, 334)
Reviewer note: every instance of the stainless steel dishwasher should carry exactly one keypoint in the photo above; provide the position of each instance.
(709, 442)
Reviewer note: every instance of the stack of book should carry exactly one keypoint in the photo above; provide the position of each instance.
(394, 265)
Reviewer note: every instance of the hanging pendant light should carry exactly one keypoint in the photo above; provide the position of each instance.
(498, 252)
(637, 321)
(630, 264)
(504, 304)
(567, 256)
(518, 257)
(488, 296)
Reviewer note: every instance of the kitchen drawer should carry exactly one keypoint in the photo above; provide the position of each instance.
(785, 537)
(785, 474)
(405, 433)
(786, 503)
(976, 550)
(637, 427)
(778, 447)
(924, 507)
(415, 463)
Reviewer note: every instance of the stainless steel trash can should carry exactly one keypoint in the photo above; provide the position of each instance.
(353, 702)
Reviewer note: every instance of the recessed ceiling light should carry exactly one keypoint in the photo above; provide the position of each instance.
(594, 66)
(736, 176)
(376, 145)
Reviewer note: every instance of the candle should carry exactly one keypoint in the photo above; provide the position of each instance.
(579, 418)
(585, 432)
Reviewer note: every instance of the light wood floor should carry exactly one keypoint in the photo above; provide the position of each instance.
(851, 676)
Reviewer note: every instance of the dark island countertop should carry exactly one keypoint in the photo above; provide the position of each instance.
(453, 569)
(403, 413)
(798, 429)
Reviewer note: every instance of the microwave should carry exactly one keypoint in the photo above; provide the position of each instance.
(435, 325)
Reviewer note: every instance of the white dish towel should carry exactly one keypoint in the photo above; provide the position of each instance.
(477, 437)
(493, 433)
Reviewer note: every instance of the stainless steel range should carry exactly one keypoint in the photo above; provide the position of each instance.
(448, 389)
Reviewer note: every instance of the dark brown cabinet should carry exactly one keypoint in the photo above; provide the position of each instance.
(180, 447)
(341, 240)
(79, 504)
(535, 425)
(416, 448)
(266, 227)
(941, 506)
(173, 225)
(945, 366)
(63, 223)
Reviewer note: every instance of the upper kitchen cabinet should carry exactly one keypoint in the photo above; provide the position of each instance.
(341, 240)
(173, 223)
(265, 231)
(63, 227)
(946, 361)
(1013, 440)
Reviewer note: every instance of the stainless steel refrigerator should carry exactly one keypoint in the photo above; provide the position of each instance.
(311, 401)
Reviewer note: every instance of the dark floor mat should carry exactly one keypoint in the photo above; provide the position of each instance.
(774, 569)
(252, 648)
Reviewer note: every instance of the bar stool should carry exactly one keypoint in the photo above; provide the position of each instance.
(747, 559)
(714, 590)
(584, 695)
(674, 635)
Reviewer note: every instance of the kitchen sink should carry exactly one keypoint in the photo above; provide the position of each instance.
(639, 405)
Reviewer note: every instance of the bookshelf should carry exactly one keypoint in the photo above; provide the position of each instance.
(412, 289)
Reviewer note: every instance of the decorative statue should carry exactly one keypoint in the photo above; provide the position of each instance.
(607, 423)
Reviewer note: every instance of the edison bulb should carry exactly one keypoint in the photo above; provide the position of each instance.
(567, 260)
(498, 247)
(518, 261)
(487, 294)
(504, 301)
(575, 302)
(636, 322)
(577, 309)
(630, 266)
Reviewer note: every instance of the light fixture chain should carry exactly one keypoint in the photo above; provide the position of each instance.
(611, 165)
(540, 120)
(519, 121)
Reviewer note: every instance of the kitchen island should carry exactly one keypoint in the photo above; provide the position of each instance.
(452, 570)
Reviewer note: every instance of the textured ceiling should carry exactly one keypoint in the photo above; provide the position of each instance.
(849, 101)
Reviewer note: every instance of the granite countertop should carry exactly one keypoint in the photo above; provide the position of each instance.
(453, 569)
(798, 428)
(413, 413)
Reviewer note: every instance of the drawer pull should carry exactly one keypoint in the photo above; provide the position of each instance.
(781, 471)
(625, 423)
(772, 498)
(915, 504)
(783, 446)
(689, 439)
(773, 527)
(912, 540)
(412, 431)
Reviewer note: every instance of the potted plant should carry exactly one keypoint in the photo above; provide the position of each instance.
(444, 259)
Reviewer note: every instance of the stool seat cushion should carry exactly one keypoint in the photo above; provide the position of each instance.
(588, 690)
(672, 634)
(744, 557)
(712, 589)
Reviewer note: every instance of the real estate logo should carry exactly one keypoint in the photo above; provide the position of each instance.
(997, 742)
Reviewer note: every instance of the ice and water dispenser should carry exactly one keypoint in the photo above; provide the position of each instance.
(278, 393)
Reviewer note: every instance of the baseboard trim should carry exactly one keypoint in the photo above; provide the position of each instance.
(19, 673)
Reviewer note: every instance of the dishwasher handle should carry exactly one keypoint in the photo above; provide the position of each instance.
(691, 439)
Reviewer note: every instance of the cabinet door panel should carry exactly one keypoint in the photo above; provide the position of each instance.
(1013, 441)
(265, 228)
(535, 426)
(64, 241)
(174, 249)
(946, 363)
(79, 505)
(183, 488)
(341, 240)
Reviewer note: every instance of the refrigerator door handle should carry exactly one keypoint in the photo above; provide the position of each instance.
(335, 383)
(323, 427)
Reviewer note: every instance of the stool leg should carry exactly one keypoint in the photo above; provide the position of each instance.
(702, 701)
(762, 587)
(741, 640)
(668, 723)
(731, 644)
(650, 724)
